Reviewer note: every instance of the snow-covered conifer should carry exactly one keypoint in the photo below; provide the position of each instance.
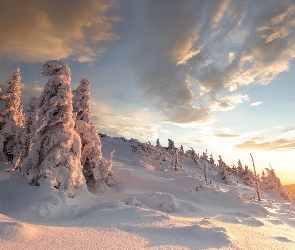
(240, 169)
(192, 155)
(181, 151)
(28, 133)
(55, 157)
(81, 101)
(158, 143)
(171, 144)
(224, 171)
(11, 118)
(211, 160)
(204, 157)
(272, 183)
(31, 117)
(95, 167)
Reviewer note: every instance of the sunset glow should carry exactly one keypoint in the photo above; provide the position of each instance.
(215, 75)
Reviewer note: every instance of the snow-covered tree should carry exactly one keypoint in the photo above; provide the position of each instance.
(95, 167)
(150, 155)
(224, 171)
(31, 117)
(11, 118)
(240, 169)
(181, 151)
(271, 182)
(248, 176)
(158, 143)
(28, 133)
(204, 157)
(192, 154)
(171, 145)
(211, 160)
(55, 157)
(81, 101)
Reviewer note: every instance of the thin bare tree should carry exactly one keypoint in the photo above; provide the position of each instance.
(256, 180)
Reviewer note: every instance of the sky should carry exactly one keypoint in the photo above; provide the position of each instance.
(212, 75)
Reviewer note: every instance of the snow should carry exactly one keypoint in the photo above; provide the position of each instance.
(54, 160)
(149, 208)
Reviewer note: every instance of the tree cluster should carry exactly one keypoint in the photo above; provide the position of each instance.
(53, 142)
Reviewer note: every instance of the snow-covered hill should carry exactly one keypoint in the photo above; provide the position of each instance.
(152, 206)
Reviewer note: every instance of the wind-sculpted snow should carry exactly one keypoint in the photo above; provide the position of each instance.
(148, 208)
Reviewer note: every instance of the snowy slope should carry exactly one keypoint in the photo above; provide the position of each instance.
(147, 209)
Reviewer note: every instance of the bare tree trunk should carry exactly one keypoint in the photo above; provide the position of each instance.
(205, 170)
(256, 180)
(176, 160)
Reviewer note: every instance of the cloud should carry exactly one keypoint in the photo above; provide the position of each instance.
(256, 103)
(251, 133)
(187, 59)
(136, 125)
(186, 114)
(267, 49)
(277, 145)
(226, 135)
(288, 132)
(198, 50)
(197, 141)
(187, 56)
(38, 87)
(280, 126)
(229, 102)
(288, 129)
(260, 138)
(34, 31)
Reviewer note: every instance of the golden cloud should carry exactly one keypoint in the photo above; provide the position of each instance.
(277, 145)
(224, 135)
(197, 141)
(131, 126)
(38, 87)
(229, 102)
(33, 31)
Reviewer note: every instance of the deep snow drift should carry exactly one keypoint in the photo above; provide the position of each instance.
(151, 207)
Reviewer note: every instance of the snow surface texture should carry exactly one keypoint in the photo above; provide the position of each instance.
(149, 208)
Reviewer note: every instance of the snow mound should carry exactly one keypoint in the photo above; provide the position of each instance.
(160, 201)
(132, 201)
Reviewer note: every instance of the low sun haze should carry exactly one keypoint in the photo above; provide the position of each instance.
(212, 75)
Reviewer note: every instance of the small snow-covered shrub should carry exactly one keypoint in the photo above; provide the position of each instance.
(150, 154)
(162, 201)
